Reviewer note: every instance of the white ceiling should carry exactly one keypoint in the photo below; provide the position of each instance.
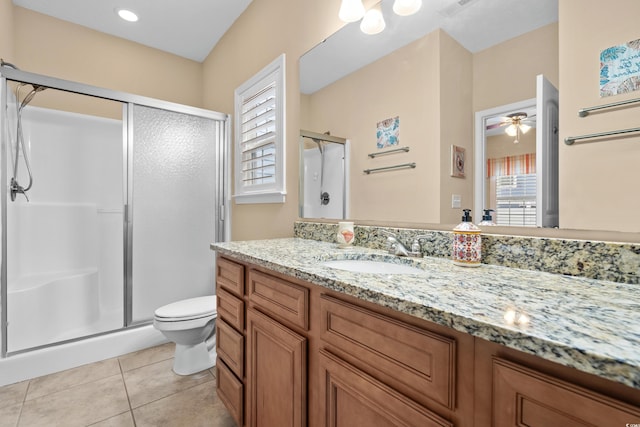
(475, 24)
(192, 31)
(185, 28)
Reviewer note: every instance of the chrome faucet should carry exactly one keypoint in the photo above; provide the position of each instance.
(396, 247)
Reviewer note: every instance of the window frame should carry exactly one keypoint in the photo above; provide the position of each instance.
(274, 192)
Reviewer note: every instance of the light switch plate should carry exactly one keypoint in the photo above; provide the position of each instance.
(456, 201)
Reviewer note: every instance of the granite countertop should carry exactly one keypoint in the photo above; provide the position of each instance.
(590, 325)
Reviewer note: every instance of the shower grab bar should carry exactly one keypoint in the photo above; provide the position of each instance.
(584, 112)
(571, 139)
(382, 153)
(384, 168)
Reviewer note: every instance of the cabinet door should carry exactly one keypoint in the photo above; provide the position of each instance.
(276, 374)
(353, 398)
(524, 397)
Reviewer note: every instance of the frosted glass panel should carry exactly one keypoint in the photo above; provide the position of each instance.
(173, 208)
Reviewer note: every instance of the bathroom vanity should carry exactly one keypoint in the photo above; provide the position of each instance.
(301, 343)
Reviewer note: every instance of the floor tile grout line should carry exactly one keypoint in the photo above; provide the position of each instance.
(124, 383)
(24, 400)
(83, 382)
(126, 390)
(176, 392)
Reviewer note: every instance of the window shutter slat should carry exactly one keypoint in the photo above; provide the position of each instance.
(259, 136)
(516, 200)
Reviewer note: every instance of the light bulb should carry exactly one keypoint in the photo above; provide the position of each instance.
(524, 128)
(373, 21)
(351, 10)
(127, 15)
(406, 7)
(511, 130)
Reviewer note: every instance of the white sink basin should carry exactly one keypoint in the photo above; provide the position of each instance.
(372, 267)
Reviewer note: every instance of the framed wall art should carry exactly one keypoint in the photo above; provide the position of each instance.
(458, 161)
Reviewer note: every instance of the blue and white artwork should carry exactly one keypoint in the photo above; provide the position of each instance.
(620, 69)
(388, 132)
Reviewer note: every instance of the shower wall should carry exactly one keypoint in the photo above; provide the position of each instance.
(65, 245)
(332, 177)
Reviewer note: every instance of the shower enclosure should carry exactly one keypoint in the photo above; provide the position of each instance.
(109, 202)
(324, 176)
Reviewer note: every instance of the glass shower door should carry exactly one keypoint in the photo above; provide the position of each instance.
(64, 265)
(172, 208)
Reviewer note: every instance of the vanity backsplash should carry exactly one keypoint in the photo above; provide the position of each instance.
(616, 262)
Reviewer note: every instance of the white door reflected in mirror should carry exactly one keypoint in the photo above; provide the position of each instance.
(516, 160)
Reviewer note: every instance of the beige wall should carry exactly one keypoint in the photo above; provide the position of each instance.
(502, 145)
(427, 84)
(405, 84)
(597, 179)
(456, 125)
(268, 28)
(6, 30)
(56, 48)
(265, 30)
(506, 73)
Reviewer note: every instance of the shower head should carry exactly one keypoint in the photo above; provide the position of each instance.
(35, 89)
(319, 142)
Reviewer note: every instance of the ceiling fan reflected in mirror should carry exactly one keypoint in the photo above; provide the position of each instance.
(516, 124)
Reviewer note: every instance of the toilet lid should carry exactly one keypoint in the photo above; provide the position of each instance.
(188, 308)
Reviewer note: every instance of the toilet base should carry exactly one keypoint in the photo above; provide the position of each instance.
(189, 359)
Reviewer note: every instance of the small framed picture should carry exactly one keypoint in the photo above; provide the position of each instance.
(388, 132)
(458, 159)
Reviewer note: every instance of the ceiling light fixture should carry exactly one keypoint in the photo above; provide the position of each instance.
(516, 128)
(351, 10)
(373, 21)
(127, 15)
(406, 7)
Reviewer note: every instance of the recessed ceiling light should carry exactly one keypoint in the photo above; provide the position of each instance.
(127, 15)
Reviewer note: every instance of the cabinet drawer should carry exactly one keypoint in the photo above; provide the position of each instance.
(284, 300)
(230, 309)
(419, 363)
(230, 276)
(230, 391)
(522, 396)
(351, 397)
(230, 347)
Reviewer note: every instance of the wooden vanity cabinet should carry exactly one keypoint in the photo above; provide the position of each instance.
(276, 354)
(293, 354)
(351, 397)
(517, 389)
(230, 332)
(391, 369)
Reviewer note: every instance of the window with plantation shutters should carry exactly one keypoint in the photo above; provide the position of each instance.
(516, 200)
(259, 137)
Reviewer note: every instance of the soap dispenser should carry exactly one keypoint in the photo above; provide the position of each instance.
(486, 218)
(467, 242)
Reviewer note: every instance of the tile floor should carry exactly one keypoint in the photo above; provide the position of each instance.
(136, 389)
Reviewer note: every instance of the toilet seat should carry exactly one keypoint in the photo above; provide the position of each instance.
(189, 309)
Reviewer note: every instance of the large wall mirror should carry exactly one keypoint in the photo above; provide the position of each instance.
(434, 71)
(516, 160)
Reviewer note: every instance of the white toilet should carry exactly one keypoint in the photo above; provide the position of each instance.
(190, 323)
